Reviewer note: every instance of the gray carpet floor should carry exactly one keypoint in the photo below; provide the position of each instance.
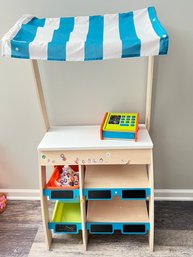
(21, 235)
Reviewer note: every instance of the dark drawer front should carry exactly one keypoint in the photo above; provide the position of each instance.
(60, 194)
(134, 228)
(135, 194)
(99, 194)
(101, 228)
(65, 228)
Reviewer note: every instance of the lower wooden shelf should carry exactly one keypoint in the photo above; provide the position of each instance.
(126, 181)
(66, 218)
(130, 217)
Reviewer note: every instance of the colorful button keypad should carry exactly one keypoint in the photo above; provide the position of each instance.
(127, 120)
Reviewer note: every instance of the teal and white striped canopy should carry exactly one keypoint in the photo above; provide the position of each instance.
(85, 38)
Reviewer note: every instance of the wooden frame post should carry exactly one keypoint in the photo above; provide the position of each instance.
(150, 166)
(83, 207)
(149, 91)
(40, 94)
(151, 203)
(44, 204)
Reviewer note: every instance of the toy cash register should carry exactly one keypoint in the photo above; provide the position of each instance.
(119, 126)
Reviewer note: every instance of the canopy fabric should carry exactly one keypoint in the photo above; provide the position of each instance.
(100, 37)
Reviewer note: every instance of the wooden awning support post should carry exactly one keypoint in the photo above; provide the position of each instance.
(40, 94)
(149, 91)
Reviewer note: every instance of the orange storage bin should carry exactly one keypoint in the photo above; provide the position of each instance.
(56, 175)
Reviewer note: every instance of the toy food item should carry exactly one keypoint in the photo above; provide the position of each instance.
(68, 177)
(3, 202)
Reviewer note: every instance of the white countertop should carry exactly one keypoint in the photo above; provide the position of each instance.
(88, 138)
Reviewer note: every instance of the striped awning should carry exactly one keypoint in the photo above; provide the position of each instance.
(100, 37)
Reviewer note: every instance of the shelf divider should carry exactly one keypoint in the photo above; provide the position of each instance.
(83, 206)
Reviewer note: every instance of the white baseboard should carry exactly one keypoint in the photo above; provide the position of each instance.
(174, 194)
(160, 194)
(22, 194)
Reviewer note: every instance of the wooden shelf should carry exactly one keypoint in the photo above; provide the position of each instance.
(117, 211)
(116, 176)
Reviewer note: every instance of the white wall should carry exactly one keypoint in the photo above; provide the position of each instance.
(96, 87)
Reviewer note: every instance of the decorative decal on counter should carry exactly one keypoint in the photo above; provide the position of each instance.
(85, 158)
(63, 157)
(77, 160)
(126, 161)
(108, 154)
(101, 160)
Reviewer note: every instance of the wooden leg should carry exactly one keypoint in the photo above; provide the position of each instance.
(44, 206)
(83, 208)
(151, 204)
